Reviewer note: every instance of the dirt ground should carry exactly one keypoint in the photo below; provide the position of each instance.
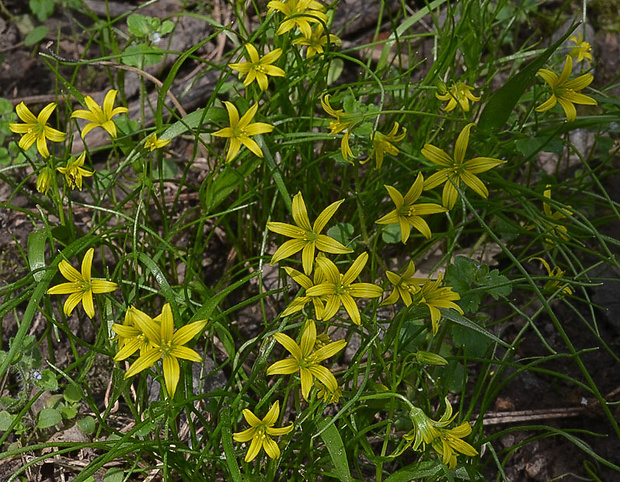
(537, 398)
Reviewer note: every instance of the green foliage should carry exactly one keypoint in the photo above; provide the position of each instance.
(474, 281)
(6, 116)
(48, 417)
(36, 35)
(148, 28)
(148, 32)
(342, 232)
(43, 9)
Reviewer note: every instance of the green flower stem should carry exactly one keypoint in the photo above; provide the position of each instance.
(387, 396)
(360, 210)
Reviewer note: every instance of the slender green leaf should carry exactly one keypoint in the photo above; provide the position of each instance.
(456, 317)
(229, 452)
(417, 471)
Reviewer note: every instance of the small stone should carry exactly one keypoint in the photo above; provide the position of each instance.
(536, 468)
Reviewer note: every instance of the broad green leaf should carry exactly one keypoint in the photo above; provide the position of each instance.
(502, 103)
(226, 338)
(36, 35)
(456, 317)
(333, 441)
(473, 281)
(528, 146)
(166, 27)
(36, 252)
(168, 170)
(336, 67)
(141, 55)
(341, 232)
(474, 343)
(417, 471)
(48, 417)
(47, 381)
(86, 424)
(68, 412)
(43, 9)
(214, 191)
(72, 393)
(114, 475)
(453, 376)
(6, 419)
(391, 234)
(194, 120)
(141, 26)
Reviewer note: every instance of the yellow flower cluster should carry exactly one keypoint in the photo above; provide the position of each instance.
(154, 338)
(327, 288)
(306, 357)
(157, 340)
(300, 14)
(459, 94)
(36, 129)
(447, 442)
(420, 291)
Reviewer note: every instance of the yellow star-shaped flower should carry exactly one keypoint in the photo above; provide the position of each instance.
(435, 432)
(258, 68)
(566, 92)
(449, 443)
(166, 343)
(382, 144)
(152, 142)
(581, 50)
(100, 117)
(306, 283)
(306, 359)
(456, 169)
(340, 288)
(80, 286)
(298, 13)
(459, 94)
(261, 431)
(74, 172)
(409, 214)
(556, 275)
(35, 129)
(344, 123)
(317, 41)
(405, 285)
(130, 337)
(241, 131)
(307, 237)
(435, 296)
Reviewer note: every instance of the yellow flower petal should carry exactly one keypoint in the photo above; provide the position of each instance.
(172, 373)
(289, 344)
